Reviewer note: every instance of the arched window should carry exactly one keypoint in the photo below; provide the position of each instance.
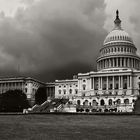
(124, 49)
(59, 91)
(127, 49)
(118, 49)
(94, 103)
(102, 102)
(126, 101)
(70, 91)
(118, 101)
(78, 102)
(64, 91)
(84, 87)
(110, 101)
(86, 102)
(76, 91)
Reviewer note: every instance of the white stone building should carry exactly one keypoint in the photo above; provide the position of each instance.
(115, 85)
(28, 85)
(66, 88)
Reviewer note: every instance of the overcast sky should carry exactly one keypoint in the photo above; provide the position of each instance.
(55, 39)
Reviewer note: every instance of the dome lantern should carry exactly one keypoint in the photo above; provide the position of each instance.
(117, 21)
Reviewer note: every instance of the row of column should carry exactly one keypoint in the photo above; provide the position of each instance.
(11, 85)
(118, 49)
(50, 91)
(118, 62)
(97, 82)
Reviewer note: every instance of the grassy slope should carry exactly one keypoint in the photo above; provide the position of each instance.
(69, 127)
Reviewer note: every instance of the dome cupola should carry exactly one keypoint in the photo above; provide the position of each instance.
(118, 51)
(117, 34)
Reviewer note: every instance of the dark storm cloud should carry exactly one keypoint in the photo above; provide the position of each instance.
(52, 39)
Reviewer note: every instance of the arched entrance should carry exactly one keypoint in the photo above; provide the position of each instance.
(126, 101)
(78, 102)
(118, 101)
(102, 102)
(86, 102)
(110, 101)
(94, 103)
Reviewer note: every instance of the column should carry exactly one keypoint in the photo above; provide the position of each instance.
(117, 62)
(134, 63)
(128, 81)
(131, 62)
(113, 82)
(98, 83)
(113, 62)
(104, 63)
(120, 82)
(107, 82)
(128, 65)
(124, 62)
(131, 82)
(92, 82)
(101, 82)
(120, 62)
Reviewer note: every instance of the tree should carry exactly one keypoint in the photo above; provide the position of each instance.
(13, 101)
(40, 95)
(137, 105)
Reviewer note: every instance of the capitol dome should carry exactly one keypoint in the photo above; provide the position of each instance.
(118, 51)
(117, 35)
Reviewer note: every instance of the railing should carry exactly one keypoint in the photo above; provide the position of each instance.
(104, 106)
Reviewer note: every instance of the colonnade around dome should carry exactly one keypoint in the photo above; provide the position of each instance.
(118, 62)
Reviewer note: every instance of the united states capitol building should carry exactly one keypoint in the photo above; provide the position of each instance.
(115, 85)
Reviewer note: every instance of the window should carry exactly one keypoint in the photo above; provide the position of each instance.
(25, 90)
(64, 91)
(78, 102)
(84, 87)
(118, 101)
(86, 102)
(94, 103)
(126, 101)
(76, 91)
(102, 102)
(110, 102)
(104, 87)
(70, 91)
(59, 91)
(110, 86)
(116, 86)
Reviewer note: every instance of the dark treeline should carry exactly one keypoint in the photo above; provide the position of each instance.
(13, 101)
(40, 95)
(16, 100)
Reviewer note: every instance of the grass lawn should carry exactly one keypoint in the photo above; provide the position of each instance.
(69, 127)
